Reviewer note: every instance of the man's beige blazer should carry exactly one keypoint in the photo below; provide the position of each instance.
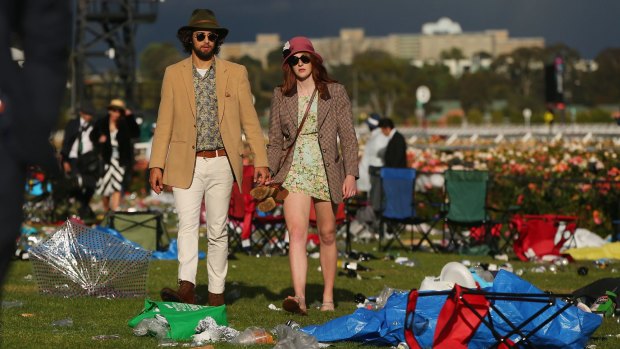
(174, 141)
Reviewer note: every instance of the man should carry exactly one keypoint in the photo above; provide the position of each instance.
(197, 149)
(395, 154)
(30, 100)
(80, 159)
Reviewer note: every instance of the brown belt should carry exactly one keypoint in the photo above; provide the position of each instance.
(211, 153)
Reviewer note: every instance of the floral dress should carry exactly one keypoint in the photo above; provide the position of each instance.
(307, 174)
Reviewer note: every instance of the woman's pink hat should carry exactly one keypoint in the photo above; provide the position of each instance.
(298, 44)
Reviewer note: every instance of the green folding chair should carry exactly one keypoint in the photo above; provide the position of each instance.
(145, 228)
(465, 207)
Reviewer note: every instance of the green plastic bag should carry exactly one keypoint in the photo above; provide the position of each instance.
(183, 318)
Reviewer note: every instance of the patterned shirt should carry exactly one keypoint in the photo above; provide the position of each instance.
(207, 123)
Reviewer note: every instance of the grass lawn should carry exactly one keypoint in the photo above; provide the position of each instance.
(253, 283)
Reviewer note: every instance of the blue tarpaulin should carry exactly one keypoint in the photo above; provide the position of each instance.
(571, 329)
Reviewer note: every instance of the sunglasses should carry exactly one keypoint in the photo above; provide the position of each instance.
(201, 37)
(294, 60)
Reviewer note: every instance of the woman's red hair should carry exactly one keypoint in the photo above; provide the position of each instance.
(319, 75)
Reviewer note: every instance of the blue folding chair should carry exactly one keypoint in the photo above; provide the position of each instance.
(399, 209)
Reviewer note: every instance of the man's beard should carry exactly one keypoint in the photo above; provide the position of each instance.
(205, 56)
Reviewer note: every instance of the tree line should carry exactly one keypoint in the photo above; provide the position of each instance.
(379, 82)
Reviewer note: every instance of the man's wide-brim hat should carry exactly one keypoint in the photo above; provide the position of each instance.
(204, 19)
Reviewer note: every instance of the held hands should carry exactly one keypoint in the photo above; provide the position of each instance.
(262, 175)
(349, 188)
(156, 180)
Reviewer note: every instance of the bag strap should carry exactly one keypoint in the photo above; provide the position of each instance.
(301, 125)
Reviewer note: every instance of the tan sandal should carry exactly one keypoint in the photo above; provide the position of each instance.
(295, 305)
(327, 306)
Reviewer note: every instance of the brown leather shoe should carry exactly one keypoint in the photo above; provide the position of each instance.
(185, 294)
(216, 299)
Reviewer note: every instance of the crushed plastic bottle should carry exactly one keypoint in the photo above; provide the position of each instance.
(383, 296)
(157, 327)
(288, 338)
(254, 335)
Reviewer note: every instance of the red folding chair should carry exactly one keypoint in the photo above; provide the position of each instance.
(537, 234)
(341, 219)
(241, 212)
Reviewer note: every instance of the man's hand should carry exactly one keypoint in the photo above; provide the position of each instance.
(156, 180)
(66, 167)
(261, 175)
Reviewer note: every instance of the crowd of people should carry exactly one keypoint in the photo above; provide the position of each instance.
(98, 155)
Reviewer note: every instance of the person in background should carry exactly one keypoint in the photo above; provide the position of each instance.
(112, 135)
(395, 154)
(371, 158)
(30, 99)
(319, 170)
(133, 121)
(80, 159)
(197, 149)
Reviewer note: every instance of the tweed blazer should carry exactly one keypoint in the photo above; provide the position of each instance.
(174, 141)
(336, 135)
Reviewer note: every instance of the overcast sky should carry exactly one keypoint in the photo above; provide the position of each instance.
(586, 25)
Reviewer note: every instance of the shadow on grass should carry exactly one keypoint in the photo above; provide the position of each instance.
(314, 292)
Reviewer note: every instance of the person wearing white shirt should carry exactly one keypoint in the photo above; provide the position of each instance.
(79, 160)
(371, 157)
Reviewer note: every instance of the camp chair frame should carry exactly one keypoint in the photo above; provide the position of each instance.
(548, 299)
(399, 212)
(270, 232)
(113, 217)
(351, 207)
(258, 229)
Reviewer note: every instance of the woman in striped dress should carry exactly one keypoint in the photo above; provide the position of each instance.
(113, 134)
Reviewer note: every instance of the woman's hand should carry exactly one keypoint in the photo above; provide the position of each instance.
(349, 188)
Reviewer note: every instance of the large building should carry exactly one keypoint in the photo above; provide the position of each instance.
(428, 45)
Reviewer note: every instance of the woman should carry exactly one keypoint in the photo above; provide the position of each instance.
(317, 172)
(113, 135)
